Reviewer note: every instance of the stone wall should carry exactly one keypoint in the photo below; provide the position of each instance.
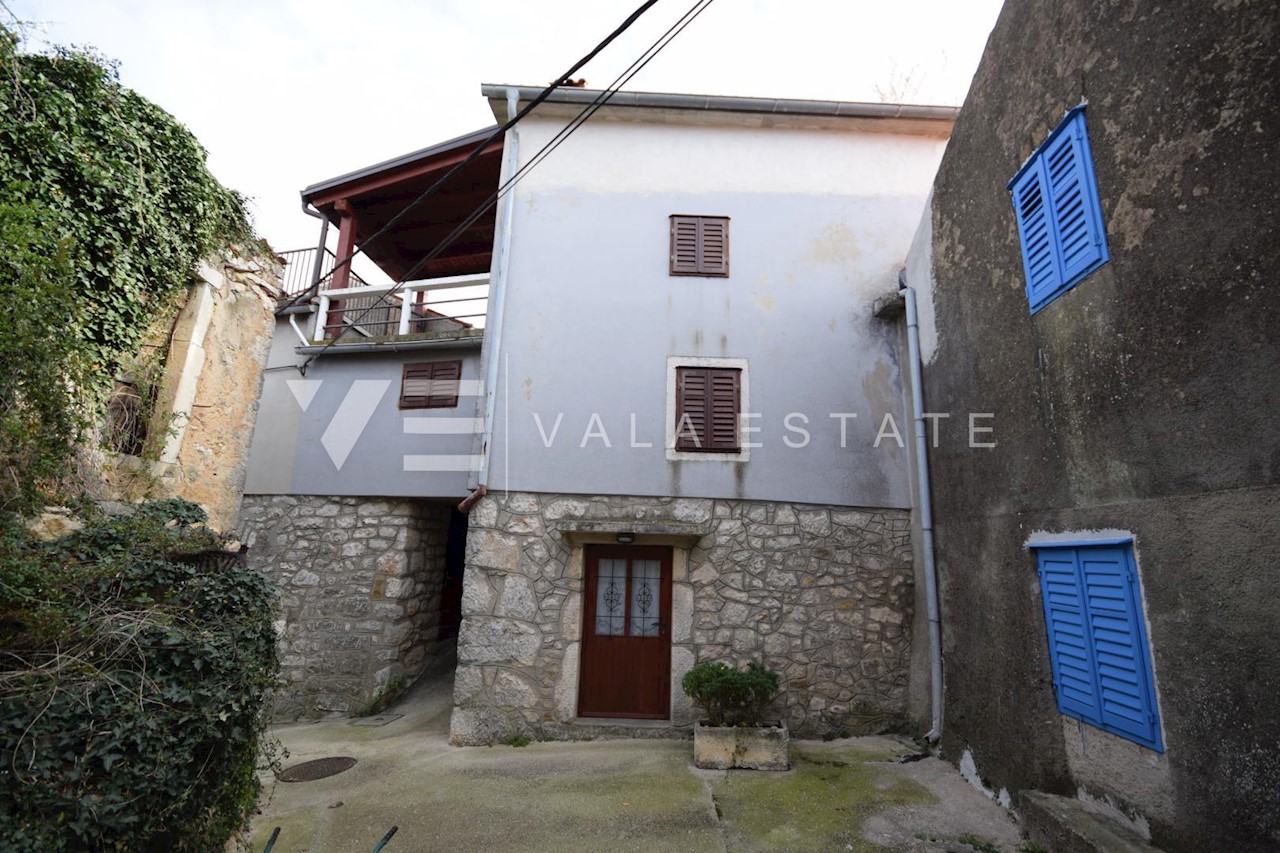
(821, 594)
(208, 442)
(207, 391)
(360, 582)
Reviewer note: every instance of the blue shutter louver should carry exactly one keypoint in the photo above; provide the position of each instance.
(1097, 640)
(1058, 212)
(1039, 252)
(1069, 643)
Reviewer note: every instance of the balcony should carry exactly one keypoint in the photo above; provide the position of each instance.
(427, 216)
(434, 309)
(300, 268)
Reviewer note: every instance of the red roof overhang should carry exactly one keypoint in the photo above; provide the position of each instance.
(378, 193)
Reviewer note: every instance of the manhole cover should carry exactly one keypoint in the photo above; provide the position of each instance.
(309, 771)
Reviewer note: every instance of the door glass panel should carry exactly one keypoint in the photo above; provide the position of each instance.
(646, 598)
(611, 597)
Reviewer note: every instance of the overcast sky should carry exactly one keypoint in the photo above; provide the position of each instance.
(285, 93)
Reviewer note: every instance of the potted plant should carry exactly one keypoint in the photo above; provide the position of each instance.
(734, 733)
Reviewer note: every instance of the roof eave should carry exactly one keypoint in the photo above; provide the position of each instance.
(473, 138)
(497, 94)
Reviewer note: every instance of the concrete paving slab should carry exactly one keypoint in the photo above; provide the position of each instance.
(615, 795)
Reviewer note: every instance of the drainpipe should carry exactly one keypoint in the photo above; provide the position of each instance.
(498, 289)
(315, 267)
(320, 246)
(926, 509)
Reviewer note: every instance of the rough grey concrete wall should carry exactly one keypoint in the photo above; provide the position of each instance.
(821, 594)
(1143, 400)
(360, 582)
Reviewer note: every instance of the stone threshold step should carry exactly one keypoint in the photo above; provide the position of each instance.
(623, 721)
(1066, 825)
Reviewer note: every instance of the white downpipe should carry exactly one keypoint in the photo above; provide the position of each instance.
(926, 513)
(498, 288)
(302, 336)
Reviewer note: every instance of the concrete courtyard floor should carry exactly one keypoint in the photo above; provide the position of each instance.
(611, 795)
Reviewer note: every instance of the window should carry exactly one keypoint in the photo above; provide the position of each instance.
(1097, 640)
(1055, 202)
(708, 400)
(700, 245)
(430, 385)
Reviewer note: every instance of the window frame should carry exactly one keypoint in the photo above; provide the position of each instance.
(701, 269)
(674, 454)
(1084, 595)
(1036, 171)
(430, 401)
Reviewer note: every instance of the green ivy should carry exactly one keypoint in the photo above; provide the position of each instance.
(134, 695)
(123, 206)
(41, 363)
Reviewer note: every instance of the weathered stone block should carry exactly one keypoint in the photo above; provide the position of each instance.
(488, 640)
(749, 748)
(479, 726)
(493, 550)
(517, 600)
(514, 691)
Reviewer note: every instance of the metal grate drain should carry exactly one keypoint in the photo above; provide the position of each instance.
(309, 771)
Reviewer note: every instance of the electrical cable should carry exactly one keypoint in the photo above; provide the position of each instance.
(479, 149)
(636, 66)
(566, 131)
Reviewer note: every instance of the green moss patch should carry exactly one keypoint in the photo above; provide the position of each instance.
(820, 805)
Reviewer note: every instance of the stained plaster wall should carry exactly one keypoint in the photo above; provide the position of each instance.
(1144, 400)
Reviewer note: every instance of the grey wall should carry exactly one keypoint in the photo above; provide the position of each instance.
(1143, 400)
(289, 456)
(592, 314)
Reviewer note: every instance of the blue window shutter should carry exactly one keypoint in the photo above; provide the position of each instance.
(1077, 214)
(1059, 214)
(1039, 247)
(1097, 640)
(1120, 646)
(1070, 645)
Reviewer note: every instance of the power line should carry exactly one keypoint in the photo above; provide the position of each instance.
(476, 152)
(568, 130)
(603, 97)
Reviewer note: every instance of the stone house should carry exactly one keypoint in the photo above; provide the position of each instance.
(654, 368)
(1107, 567)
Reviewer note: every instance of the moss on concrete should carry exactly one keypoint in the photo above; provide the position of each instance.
(820, 805)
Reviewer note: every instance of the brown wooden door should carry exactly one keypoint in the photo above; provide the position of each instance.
(626, 638)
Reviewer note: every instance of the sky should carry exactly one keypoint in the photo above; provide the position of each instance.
(286, 93)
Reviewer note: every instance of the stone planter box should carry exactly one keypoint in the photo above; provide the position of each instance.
(745, 747)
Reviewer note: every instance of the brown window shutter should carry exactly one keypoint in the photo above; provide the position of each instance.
(707, 398)
(700, 245)
(444, 385)
(684, 245)
(691, 408)
(430, 385)
(713, 242)
(724, 409)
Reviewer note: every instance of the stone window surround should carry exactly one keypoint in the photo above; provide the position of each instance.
(681, 539)
(744, 405)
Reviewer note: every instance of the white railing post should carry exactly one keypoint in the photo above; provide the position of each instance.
(406, 309)
(322, 318)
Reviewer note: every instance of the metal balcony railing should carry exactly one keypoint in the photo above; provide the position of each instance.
(300, 266)
(438, 305)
